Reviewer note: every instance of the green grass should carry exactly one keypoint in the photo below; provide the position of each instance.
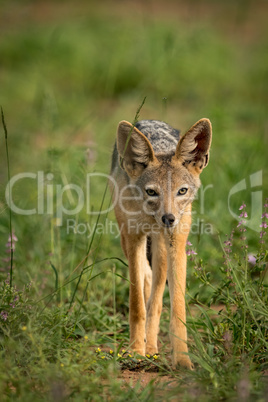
(68, 75)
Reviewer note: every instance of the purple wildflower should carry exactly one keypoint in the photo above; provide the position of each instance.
(243, 215)
(14, 237)
(264, 224)
(190, 250)
(4, 315)
(242, 206)
(10, 246)
(251, 259)
(242, 225)
(7, 281)
(242, 221)
(228, 243)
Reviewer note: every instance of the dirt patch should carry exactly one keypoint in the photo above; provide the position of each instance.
(144, 378)
(138, 372)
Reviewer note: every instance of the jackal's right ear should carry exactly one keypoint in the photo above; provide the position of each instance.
(193, 147)
(135, 151)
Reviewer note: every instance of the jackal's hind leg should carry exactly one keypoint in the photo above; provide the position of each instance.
(147, 282)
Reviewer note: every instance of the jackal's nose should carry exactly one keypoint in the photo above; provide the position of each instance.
(168, 219)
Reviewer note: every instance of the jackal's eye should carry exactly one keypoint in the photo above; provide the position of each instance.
(151, 192)
(182, 191)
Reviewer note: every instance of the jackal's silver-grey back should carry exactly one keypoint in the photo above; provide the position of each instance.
(162, 136)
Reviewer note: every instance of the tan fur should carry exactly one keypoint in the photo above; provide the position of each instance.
(139, 171)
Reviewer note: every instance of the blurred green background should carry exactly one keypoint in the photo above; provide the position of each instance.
(70, 71)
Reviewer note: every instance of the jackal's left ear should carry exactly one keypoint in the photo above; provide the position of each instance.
(193, 147)
(135, 150)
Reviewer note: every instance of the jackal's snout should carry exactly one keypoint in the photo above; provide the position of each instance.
(168, 219)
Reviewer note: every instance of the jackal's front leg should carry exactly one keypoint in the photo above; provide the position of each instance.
(177, 282)
(154, 305)
(136, 254)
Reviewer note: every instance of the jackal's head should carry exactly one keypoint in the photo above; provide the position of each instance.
(163, 185)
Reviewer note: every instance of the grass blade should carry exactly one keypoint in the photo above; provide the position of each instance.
(9, 191)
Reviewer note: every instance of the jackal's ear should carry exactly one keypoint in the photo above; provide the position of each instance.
(193, 147)
(135, 150)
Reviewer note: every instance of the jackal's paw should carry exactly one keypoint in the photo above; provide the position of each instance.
(137, 346)
(182, 361)
(139, 351)
(151, 350)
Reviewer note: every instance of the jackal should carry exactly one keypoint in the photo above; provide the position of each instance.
(156, 175)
